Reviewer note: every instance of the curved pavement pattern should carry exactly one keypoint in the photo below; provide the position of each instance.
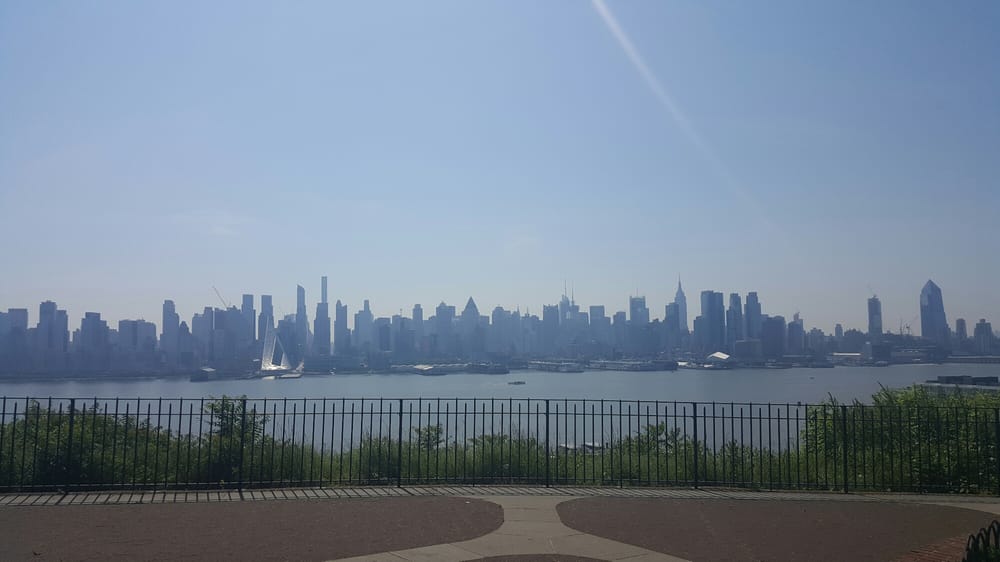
(531, 530)
(492, 523)
(715, 530)
(259, 530)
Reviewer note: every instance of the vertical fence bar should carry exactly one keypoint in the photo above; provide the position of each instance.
(243, 433)
(694, 421)
(69, 441)
(843, 431)
(547, 473)
(24, 440)
(399, 446)
(3, 424)
(996, 451)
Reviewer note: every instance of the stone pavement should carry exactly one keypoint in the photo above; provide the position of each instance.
(557, 524)
(531, 526)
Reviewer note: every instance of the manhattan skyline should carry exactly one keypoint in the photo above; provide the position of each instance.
(435, 151)
(288, 304)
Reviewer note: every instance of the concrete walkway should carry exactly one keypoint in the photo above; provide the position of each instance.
(531, 526)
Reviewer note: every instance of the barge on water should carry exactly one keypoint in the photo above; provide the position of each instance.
(633, 366)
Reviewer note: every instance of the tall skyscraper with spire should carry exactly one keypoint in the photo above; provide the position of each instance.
(682, 307)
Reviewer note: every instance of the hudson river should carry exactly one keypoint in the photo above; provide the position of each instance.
(742, 385)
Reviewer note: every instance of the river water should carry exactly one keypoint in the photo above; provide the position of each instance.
(742, 385)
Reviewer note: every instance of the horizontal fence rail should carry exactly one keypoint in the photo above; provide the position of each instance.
(141, 443)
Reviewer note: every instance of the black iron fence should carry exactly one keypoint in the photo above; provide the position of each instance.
(57, 443)
(984, 546)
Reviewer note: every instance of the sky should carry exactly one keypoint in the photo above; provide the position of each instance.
(815, 152)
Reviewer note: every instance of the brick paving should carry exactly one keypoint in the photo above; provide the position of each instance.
(947, 550)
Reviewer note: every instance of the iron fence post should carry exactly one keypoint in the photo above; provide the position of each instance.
(694, 442)
(243, 433)
(547, 469)
(843, 432)
(399, 447)
(996, 452)
(69, 444)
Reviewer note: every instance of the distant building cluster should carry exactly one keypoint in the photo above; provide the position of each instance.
(238, 338)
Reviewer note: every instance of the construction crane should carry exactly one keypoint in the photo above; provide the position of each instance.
(218, 294)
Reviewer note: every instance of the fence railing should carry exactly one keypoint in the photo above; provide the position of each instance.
(141, 443)
(984, 546)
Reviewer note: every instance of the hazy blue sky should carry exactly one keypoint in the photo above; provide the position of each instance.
(426, 151)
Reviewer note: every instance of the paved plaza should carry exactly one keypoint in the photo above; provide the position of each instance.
(489, 523)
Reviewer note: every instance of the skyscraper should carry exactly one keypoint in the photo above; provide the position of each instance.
(202, 326)
(94, 345)
(249, 321)
(734, 320)
(874, 319)
(171, 325)
(265, 321)
(796, 336)
(638, 313)
(51, 336)
(473, 337)
(364, 328)
(321, 324)
(682, 307)
(301, 323)
(600, 325)
(753, 316)
(983, 335)
(772, 336)
(550, 327)
(444, 318)
(418, 326)
(961, 331)
(933, 324)
(52, 331)
(672, 325)
(341, 333)
(711, 330)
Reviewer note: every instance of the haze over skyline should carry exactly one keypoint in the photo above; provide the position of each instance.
(431, 152)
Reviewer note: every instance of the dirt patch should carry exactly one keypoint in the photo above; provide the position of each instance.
(260, 530)
(716, 530)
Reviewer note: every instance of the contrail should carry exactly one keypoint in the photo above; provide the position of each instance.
(671, 106)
